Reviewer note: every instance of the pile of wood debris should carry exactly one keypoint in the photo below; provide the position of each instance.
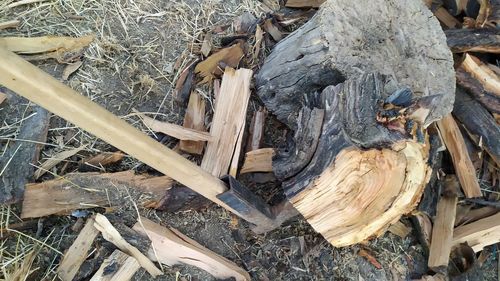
(453, 225)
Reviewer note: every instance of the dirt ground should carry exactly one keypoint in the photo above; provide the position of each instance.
(131, 65)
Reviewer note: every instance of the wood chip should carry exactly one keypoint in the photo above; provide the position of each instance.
(124, 267)
(23, 2)
(194, 119)
(256, 134)
(9, 24)
(259, 36)
(399, 229)
(56, 159)
(211, 67)
(369, 257)
(70, 69)
(273, 30)
(260, 160)
(78, 251)
(112, 235)
(103, 159)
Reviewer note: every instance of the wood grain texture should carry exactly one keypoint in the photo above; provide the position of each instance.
(479, 234)
(260, 160)
(229, 119)
(486, 76)
(125, 267)
(194, 119)
(455, 144)
(256, 129)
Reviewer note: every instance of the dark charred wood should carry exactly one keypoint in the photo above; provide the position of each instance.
(181, 198)
(479, 123)
(473, 87)
(473, 40)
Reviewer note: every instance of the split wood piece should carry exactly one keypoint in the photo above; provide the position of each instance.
(476, 214)
(464, 168)
(56, 159)
(173, 130)
(270, 28)
(70, 69)
(260, 160)
(124, 268)
(304, 3)
(479, 234)
(9, 24)
(256, 134)
(184, 83)
(194, 119)
(473, 40)
(488, 78)
(233, 168)
(447, 19)
(112, 235)
(90, 190)
(228, 121)
(16, 163)
(77, 253)
(210, 68)
(442, 231)
(423, 225)
(474, 88)
(102, 159)
(3, 97)
(41, 88)
(399, 229)
(172, 247)
(479, 124)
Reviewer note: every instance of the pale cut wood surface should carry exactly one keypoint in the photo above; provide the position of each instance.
(41, 88)
(482, 73)
(229, 119)
(233, 168)
(442, 231)
(455, 144)
(126, 265)
(173, 247)
(194, 119)
(35, 45)
(479, 234)
(399, 229)
(78, 251)
(256, 129)
(112, 235)
(260, 160)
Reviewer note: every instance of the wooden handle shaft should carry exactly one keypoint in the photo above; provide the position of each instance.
(39, 87)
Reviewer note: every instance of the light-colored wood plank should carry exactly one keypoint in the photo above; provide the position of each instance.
(229, 118)
(260, 160)
(484, 74)
(479, 234)
(399, 229)
(455, 144)
(442, 231)
(173, 247)
(194, 119)
(112, 235)
(233, 169)
(476, 214)
(56, 159)
(77, 252)
(126, 266)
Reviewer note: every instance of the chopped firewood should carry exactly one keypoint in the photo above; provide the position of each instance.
(474, 88)
(484, 12)
(272, 30)
(56, 159)
(18, 158)
(206, 46)
(103, 159)
(194, 119)
(455, 144)
(9, 24)
(123, 268)
(400, 229)
(488, 78)
(479, 234)
(172, 247)
(475, 214)
(442, 231)
(211, 67)
(473, 40)
(112, 235)
(233, 168)
(260, 160)
(173, 130)
(435, 277)
(90, 190)
(184, 83)
(256, 134)
(228, 121)
(304, 3)
(482, 128)
(369, 257)
(63, 49)
(456, 7)
(3, 97)
(423, 225)
(445, 17)
(70, 69)
(77, 253)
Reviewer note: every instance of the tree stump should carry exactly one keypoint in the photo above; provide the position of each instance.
(357, 85)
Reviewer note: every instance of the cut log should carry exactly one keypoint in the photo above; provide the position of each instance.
(488, 78)
(479, 234)
(479, 123)
(473, 87)
(338, 64)
(228, 121)
(464, 168)
(90, 190)
(123, 268)
(473, 40)
(77, 253)
(256, 134)
(260, 160)
(172, 247)
(442, 231)
(194, 119)
(210, 69)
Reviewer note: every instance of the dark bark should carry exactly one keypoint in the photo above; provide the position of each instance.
(473, 87)
(473, 40)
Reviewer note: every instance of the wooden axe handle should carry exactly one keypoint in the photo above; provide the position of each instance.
(39, 87)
